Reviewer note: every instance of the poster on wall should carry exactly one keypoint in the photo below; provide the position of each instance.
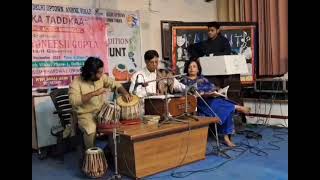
(242, 39)
(182, 38)
(123, 43)
(62, 39)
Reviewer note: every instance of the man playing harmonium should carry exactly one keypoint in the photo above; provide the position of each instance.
(139, 81)
(149, 73)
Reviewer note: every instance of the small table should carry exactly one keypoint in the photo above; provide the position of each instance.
(144, 149)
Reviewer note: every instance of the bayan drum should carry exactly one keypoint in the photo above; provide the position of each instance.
(95, 163)
(107, 114)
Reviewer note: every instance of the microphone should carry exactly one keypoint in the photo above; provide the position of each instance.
(136, 84)
(180, 75)
(184, 74)
(167, 65)
(192, 88)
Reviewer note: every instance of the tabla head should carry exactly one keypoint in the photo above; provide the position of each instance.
(122, 103)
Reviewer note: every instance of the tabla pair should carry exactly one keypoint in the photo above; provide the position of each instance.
(126, 112)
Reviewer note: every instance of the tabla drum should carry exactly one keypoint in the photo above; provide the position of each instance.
(95, 163)
(130, 111)
(107, 114)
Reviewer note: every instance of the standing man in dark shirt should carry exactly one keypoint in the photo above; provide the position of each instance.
(216, 43)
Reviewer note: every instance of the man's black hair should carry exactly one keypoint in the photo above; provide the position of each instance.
(90, 68)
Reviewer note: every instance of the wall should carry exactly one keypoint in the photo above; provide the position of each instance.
(276, 110)
(151, 13)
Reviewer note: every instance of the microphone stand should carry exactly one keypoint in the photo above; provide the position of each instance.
(116, 175)
(136, 84)
(186, 113)
(167, 118)
(219, 151)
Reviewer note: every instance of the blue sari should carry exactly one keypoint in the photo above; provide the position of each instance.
(223, 109)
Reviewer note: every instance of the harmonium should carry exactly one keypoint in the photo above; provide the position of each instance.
(156, 105)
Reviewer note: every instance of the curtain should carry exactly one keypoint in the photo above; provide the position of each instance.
(229, 10)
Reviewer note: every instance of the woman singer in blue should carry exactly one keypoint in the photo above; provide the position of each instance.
(223, 108)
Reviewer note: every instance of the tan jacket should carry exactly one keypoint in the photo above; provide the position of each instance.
(86, 113)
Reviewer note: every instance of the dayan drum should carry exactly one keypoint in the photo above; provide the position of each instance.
(95, 163)
(107, 115)
(130, 111)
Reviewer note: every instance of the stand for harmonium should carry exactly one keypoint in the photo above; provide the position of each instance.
(167, 117)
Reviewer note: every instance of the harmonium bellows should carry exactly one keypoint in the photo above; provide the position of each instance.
(156, 105)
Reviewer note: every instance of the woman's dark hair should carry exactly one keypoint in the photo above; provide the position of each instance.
(150, 54)
(187, 64)
(90, 68)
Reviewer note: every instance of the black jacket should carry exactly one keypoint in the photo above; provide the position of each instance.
(219, 46)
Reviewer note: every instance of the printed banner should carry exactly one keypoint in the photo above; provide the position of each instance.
(62, 39)
(123, 42)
